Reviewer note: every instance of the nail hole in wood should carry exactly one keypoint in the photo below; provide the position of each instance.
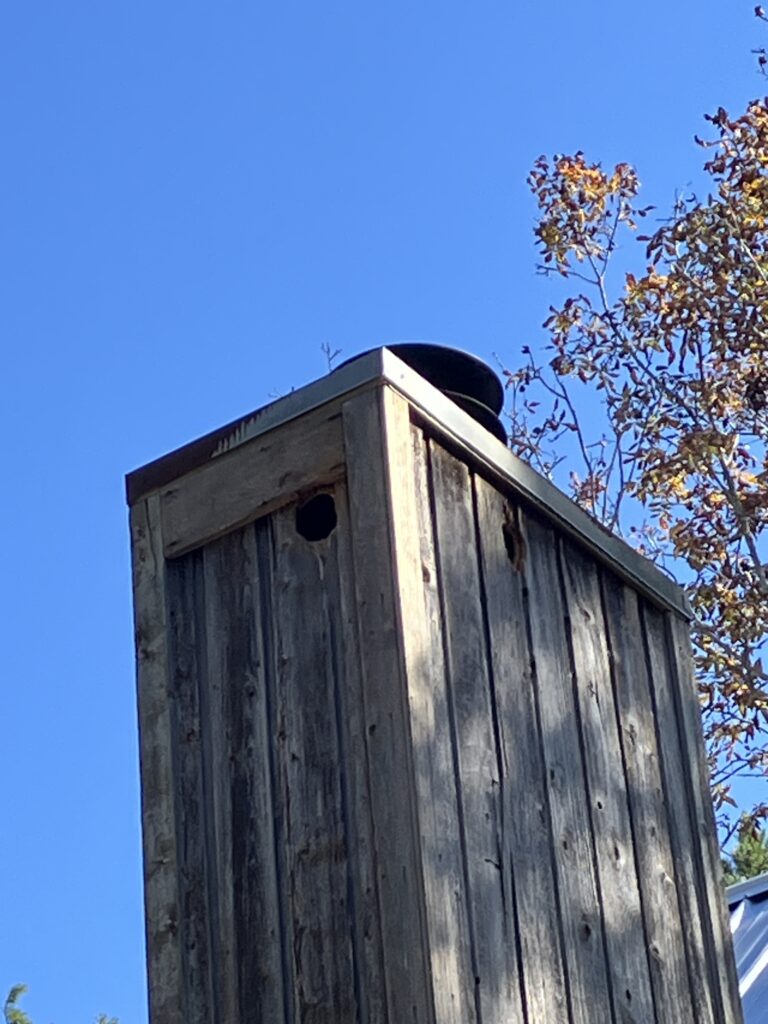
(316, 519)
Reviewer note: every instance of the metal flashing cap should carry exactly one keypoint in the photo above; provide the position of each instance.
(461, 376)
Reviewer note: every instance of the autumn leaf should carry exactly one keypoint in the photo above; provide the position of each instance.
(678, 362)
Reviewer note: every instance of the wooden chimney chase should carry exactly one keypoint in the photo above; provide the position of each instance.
(441, 766)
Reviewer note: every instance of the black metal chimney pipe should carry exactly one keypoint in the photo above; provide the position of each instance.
(461, 376)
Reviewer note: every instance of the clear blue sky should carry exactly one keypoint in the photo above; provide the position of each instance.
(194, 197)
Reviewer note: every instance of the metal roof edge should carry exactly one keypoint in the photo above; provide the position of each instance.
(745, 890)
(366, 370)
(447, 417)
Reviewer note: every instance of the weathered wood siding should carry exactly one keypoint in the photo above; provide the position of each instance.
(282, 866)
(273, 857)
(441, 767)
(587, 864)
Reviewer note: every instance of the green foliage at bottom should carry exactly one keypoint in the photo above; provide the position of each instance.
(13, 1015)
(749, 857)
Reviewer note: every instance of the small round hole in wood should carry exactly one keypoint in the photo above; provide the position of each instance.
(316, 519)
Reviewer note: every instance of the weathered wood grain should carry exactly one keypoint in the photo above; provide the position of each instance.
(679, 798)
(480, 771)
(436, 768)
(253, 480)
(158, 783)
(377, 444)
(216, 837)
(309, 662)
(525, 827)
(655, 862)
(568, 799)
(705, 831)
(188, 677)
(445, 892)
(250, 943)
(616, 870)
(339, 581)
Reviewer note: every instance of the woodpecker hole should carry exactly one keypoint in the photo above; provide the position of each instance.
(513, 541)
(316, 519)
(510, 543)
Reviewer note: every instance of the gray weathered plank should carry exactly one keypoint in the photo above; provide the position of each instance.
(339, 582)
(614, 846)
(480, 771)
(250, 969)
(216, 839)
(679, 798)
(377, 444)
(308, 663)
(655, 862)
(706, 831)
(158, 798)
(568, 800)
(526, 834)
(188, 677)
(238, 487)
(446, 898)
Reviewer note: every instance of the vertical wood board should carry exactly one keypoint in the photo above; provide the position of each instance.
(656, 868)
(158, 784)
(188, 678)
(527, 839)
(617, 875)
(705, 831)
(241, 673)
(377, 444)
(445, 891)
(579, 901)
(355, 785)
(308, 667)
(679, 797)
(479, 771)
